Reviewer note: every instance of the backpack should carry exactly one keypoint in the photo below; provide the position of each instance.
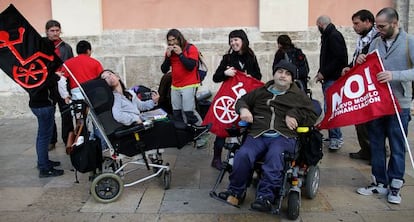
(297, 57)
(201, 66)
(311, 147)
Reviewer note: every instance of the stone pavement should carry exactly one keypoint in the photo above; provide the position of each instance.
(25, 197)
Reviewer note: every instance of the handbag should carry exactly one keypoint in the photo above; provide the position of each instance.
(87, 156)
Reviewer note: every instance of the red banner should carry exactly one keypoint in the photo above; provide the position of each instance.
(358, 97)
(221, 112)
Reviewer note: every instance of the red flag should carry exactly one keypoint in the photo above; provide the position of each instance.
(26, 57)
(358, 97)
(221, 112)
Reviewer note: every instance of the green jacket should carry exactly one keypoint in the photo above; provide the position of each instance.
(269, 110)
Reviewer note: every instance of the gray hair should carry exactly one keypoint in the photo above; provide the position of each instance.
(324, 20)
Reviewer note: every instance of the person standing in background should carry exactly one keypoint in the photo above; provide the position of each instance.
(363, 24)
(332, 59)
(64, 51)
(287, 51)
(182, 58)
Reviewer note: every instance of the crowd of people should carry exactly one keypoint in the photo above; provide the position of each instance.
(274, 111)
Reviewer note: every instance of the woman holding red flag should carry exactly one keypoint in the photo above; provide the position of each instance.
(240, 57)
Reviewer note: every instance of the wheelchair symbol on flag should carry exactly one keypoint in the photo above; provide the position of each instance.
(33, 71)
(224, 106)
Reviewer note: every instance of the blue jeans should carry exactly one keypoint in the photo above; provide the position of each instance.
(45, 120)
(268, 149)
(378, 130)
(335, 132)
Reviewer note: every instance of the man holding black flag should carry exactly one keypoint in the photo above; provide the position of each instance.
(31, 62)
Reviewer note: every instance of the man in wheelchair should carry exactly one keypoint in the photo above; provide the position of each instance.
(274, 111)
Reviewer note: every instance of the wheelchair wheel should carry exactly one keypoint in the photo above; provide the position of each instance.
(107, 187)
(167, 179)
(293, 205)
(312, 182)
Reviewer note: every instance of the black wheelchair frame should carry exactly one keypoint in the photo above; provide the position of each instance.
(296, 174)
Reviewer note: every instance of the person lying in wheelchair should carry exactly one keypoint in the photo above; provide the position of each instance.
(274, 111)
(127, 109)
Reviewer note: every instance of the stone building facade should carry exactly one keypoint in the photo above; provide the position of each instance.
(137, 54)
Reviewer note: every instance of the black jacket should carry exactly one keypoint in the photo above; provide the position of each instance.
(251, 66)
(334, 55)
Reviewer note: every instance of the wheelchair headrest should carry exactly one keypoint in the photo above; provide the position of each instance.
(102, 99)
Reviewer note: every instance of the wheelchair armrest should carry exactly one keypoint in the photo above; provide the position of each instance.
(134, 128)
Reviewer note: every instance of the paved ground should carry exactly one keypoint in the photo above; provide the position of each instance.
(25, 197)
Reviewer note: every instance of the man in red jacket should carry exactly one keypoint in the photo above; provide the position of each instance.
(83, 68)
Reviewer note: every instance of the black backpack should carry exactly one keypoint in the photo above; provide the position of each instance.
(297, 57)
(311, 147)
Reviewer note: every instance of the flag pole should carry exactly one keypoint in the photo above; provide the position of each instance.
(407, 145)
(91, 114)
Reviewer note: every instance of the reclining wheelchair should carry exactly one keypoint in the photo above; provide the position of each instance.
(130, 148)
(300, 172)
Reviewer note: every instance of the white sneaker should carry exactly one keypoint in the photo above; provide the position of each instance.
(335, 144)
(394, 194)
(379, 189)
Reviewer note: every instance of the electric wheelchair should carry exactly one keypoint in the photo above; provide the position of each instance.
(300, 173)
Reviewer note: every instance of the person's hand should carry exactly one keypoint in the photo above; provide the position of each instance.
(68, 100)
(384, 77)
(177, 49)
(59, 73)
(155, 96)
(246, 115)
(230, 71)
(139, 121)
(169, 50)
(291, 122)
(345, 70)
(361, 58)
(319, 77)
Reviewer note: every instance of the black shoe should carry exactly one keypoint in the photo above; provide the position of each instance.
(358, 156)
(54, 163)
(200, 130)
(261, 204)
(50, 173)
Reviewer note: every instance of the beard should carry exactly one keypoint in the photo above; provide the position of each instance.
(363, 33)
(388, 34)
(320, 29)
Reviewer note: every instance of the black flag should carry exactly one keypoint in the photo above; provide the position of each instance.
(25, 56)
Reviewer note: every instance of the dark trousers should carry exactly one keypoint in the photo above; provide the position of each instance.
(268, 149)
(363, 140)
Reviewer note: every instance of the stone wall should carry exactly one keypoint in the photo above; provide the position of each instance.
(137, 54)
